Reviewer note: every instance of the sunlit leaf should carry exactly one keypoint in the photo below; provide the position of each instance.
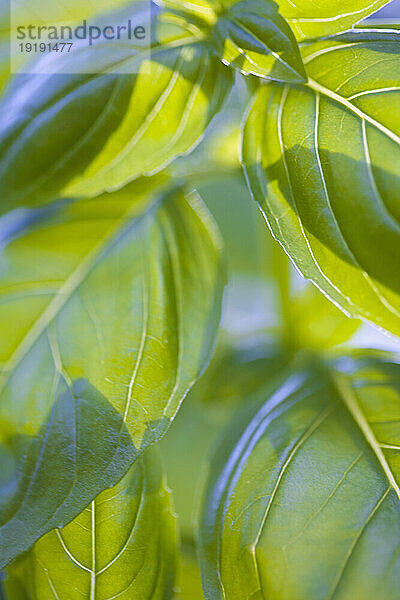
(253, 37)
(304, 500)
(84, 134)
(309, 20)
(122, 545)
(232, 377)
(113, 318)
(306, 18)
(323, 162)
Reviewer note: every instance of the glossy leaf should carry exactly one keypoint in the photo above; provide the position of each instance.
(323, 162)
(85, 134)
(122, 545)
(113, 319)
(253, 37)
(304, 501)
(309, 20)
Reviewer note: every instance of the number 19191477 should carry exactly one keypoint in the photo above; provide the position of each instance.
(46, 47)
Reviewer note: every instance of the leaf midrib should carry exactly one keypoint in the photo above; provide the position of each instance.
(350, 400)
(317, 87)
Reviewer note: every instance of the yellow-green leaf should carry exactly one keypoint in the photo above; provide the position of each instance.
(309, 19)
(113, 319)
(254, 38)
(323, 161)
(304, 500)
(123, 545)
(85, 134)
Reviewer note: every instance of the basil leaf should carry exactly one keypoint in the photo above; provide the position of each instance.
(253, 37)
(322, 161)
(122, 545)
(309, 20)
(114, 318)
(102, 131)
(306, 19)
(203, 11)
(304, 501)
(231, 375)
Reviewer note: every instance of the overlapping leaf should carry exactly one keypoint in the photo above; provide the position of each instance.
(122, 545)
(232, 375)
(309, 19)
(323, 161)
(306, 18)
(253, 37)
(106, 321)
(84, 134)
(304, 502)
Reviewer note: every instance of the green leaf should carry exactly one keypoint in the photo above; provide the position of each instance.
(309, 20)
(122, 545)
(322, 161)
(85, 134)
(253, 37)
(306, 18)
(113, 319)
(201, 10)
(232, 375)
(304, 500)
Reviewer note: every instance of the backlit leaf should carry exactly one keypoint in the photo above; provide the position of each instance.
(85, 134)
(304, 501)
(232, 376)
(253, 37)
(309, 19)
(113, 318)
(122, 545)
(323, 161)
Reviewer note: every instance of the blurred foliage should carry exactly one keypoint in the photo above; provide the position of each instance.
(319, 324)
(242, 225)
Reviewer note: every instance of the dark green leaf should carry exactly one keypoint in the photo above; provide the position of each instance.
(323, 161)
(122, 545)
(253, 37)
(130, 305)
(304, 500)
